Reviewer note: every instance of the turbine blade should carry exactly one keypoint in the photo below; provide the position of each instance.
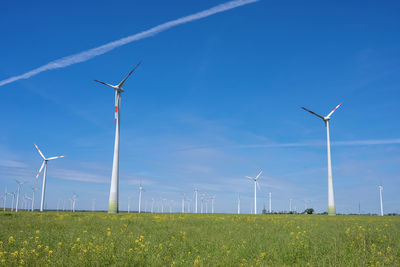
(258, 186)
(123, 81)
(313, 113)
(56, 157)
(258, 175)
(248, 177)
(104, 83)
(40, 170)
(40, 152)
(329, 115)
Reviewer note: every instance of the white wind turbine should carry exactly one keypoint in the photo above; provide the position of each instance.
(113, 200)
(74, 198)
(270, 202)
(212, 204)
(33, 197)
(129, 204)
(5, 199)
(380, 197)
(195, 195)
(12, 201)
(140, 196)
(44, 164)
(238, 205)
(183, 203)
(255, 179)
(331, 199)
(18, 190)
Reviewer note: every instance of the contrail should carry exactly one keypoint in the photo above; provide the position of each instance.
(94, 52)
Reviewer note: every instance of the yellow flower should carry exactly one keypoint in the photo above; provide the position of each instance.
(108, 233)
(59, 244)
(78, 239)
(11, 240)
(37, 231)
(50, 252)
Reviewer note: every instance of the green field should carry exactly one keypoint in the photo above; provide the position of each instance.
(134, 239)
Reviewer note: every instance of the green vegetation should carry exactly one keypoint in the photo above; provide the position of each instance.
(76, 239)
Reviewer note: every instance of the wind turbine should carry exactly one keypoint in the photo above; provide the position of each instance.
(18, 190)
(74, 198)
(238, 205)
(255, 179)
(113, 200)
(13, 198)
(44, 164)
(331, 199)
(195, 193)
(270, 202)
(380, 197)
(129, 204)
(93, 204)
(183, 203)
(212, 204)
(5, 199)
(140, 196)
(290, 205)
(33, 197)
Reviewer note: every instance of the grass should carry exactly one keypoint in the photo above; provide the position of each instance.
(76, 239)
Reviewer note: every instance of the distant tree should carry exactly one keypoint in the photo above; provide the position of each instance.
(264, 211)
(309, 211)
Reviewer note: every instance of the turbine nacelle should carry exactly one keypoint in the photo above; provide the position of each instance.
(118, 87)
(327, 117)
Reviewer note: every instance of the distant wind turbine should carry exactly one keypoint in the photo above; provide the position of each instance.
(270, 202)
(195, 195)
(140, 196)
(331, 199)
(33, 197)
(18, 191)
(44, 164)
(113, 200)
(255, 179)
(238, 205)
(380, 197)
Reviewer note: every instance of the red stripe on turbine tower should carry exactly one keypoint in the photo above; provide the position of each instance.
(116, 109)
(115, 121)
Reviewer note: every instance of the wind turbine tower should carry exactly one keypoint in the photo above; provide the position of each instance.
(183, 203)
(290, 205)
(212, 204)
(380, 197)
(331, 199)
(113, 200)
(238, 205)
(5, 199)
(140, 197)
(270, 202)
(74, 198)
(129, 204)
(33, 197)
(195, 195)
(255, 179)
(18, 190)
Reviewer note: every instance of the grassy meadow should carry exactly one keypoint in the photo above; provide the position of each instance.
(84, 238)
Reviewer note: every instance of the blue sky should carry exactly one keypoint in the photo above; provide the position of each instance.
(215, 100)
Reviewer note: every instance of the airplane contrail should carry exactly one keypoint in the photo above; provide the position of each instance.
(91, 53)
